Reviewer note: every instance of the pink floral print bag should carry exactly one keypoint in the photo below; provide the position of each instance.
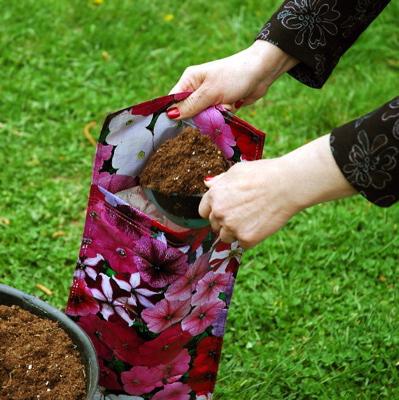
(153, 296)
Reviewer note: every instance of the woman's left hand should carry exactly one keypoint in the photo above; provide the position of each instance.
(248, 202)
(254, 199)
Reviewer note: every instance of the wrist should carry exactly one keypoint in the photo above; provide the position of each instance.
(314, 175)
(271, 62)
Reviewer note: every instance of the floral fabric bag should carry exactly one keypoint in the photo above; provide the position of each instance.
(153, 296)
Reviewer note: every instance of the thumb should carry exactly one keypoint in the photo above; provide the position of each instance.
(198, 101)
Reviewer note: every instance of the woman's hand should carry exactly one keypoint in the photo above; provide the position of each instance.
(238, 80)
(254, 199)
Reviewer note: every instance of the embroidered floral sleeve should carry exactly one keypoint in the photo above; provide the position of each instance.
(318, 33)
(367, 152)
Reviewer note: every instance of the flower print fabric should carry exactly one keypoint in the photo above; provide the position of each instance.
(153, 300)
(318, 33)
(367, 152)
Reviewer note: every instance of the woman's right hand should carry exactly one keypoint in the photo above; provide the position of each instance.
(238, 80)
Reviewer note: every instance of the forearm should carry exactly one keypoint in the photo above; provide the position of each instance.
(271, 61)
(314, 176)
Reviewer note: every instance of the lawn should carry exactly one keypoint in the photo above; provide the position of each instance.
(315, 309)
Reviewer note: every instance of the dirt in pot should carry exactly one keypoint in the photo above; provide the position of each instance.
(37, 359)
(180, 164)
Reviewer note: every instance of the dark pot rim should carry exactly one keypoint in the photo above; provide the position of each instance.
(10, 296)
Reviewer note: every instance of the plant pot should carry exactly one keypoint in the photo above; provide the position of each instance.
(10, 296)
(180, 209)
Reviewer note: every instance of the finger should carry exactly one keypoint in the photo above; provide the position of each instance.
(226, 235)
(214, 223)
(198, 101)
(191, 79)
(204, 208)
(230, 107)
(211, 180)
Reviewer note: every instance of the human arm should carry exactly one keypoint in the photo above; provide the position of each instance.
(243, 77)
(318, 33)
(254, 199)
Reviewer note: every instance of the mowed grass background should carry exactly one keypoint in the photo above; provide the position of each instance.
(315, 309)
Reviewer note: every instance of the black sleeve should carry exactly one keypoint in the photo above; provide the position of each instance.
(318, 32)
(367, 152)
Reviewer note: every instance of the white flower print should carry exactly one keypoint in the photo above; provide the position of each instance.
(370, 162)
(204, 397)
(393, 112)
(221, 259)
(313, 19)
(138, 295)
(394, 106)
(134, 142)
(109, 304)
(100, 396)
(264, 34)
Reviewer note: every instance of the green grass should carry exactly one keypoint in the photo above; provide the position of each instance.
(315, 309)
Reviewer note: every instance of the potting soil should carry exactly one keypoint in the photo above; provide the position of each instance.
(37, 359)
(180, 164)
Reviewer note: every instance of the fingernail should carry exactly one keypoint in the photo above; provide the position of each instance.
(238, 104)
(173, 113)
(208, 178)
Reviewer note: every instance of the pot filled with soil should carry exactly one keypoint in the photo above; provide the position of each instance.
(43, 353)
(173, 178)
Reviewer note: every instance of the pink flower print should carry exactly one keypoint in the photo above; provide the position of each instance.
(184, 286)
(174, 391)
(211, 122)
(140, 380)
(81, 301)
(163, 349)
(228, 254)
(114, 246)
(158, 264)
(109, 304)
(137, 295)
(202, 316)
(165, 314)
(176, 368)
(210, 286)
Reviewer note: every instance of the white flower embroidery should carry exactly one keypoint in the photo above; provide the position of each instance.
(264, 34)
(312, 19)
(134, 142)
(394, 106)
(370, 163)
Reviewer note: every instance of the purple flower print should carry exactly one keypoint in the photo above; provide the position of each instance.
(184, 286)
(137, 295)
(158, 264)
(202, 316)
(211, 122)
(219, 325)
(110, 304)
